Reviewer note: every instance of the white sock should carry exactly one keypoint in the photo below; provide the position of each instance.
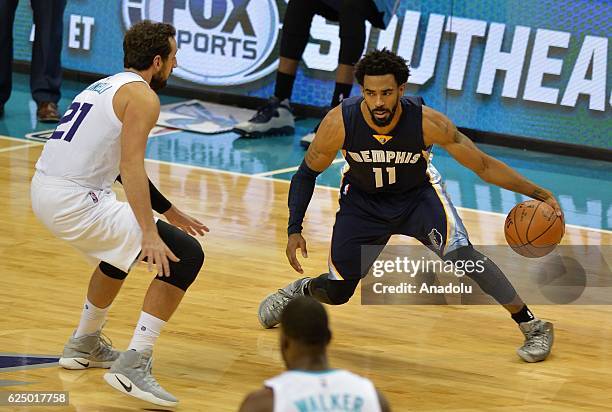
(92, 319)
(146, 332)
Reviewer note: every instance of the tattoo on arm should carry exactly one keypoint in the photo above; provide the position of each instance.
(318, 158)
(540, 194)
(479, 161)
(311, 155)
(458, 136)
(440, 124)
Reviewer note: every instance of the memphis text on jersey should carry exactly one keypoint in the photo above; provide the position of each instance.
(384, 156)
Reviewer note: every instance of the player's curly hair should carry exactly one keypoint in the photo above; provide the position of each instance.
(381, 62)
(145, 40)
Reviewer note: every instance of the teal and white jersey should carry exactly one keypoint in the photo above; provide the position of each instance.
(332, 390)
(85, 148)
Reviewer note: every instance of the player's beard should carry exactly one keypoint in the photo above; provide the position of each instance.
(158, 82)
(387, 121)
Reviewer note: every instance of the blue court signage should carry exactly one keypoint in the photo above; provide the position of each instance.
(221, 42)
(495, 65)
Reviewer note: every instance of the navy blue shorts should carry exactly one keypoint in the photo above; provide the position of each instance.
(425, 213)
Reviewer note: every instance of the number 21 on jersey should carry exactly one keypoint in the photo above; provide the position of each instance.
(68, 125)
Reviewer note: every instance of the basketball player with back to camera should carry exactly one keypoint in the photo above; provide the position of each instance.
(390, 188)
(309, 384)
(105, 132)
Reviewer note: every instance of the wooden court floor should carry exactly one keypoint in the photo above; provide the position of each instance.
(213, 351)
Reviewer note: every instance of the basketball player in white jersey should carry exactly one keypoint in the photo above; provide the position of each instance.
(104, 134)
(309, 384)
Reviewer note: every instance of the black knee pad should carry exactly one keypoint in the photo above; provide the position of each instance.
(332, 292)
(491, 280)
(187, 249)
(111, 271)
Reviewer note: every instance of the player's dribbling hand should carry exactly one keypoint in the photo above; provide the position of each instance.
(548, 198)
(296, 241)
(185, 222)
(155, 252)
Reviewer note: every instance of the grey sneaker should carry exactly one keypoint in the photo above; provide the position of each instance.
(275, 117)
(131, 374)
(88, 351)
(539, 336)
(272, 306)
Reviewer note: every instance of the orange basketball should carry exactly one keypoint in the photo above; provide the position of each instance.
(533, 229)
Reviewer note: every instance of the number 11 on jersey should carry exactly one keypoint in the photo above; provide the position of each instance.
(378, 175)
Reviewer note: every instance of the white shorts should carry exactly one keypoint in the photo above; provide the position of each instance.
(93, 221)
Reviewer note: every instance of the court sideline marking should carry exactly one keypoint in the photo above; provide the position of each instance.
(258, 176)
(335, 189)
(290, 169)
(20, 146)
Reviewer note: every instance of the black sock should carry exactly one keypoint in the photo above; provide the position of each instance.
(283, 86)
(523, 315)
(341, 92)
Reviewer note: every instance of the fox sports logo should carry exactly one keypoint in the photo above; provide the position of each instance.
(221, 42)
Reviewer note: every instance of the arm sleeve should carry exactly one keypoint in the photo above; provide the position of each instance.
(158, 202)
(300, 193)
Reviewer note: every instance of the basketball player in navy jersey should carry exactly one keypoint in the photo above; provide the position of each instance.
(391, 188)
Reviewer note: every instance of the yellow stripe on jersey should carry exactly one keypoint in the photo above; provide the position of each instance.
(382, 138)
(427, 155)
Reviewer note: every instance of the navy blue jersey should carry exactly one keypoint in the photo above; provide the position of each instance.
(390, 163)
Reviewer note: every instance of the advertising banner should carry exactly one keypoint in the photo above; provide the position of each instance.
(534, 68)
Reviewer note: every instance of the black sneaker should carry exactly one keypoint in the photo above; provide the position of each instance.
(273, 118)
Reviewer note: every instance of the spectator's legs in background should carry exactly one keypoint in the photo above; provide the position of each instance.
(46, 71)
(352, 17)
(296, 31)
(276, 116)
(7, 16)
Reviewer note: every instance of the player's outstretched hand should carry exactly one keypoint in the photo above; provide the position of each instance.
(155, 252)
(296, 241)
(185, 222)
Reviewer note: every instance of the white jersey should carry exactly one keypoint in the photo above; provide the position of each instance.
(86, 146)
(331, 390)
